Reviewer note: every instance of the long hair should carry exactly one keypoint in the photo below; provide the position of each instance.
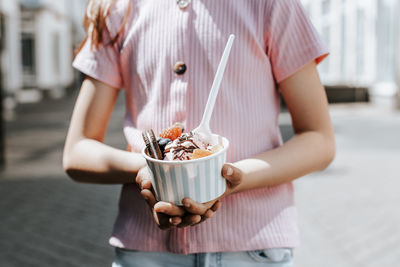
(94, 23)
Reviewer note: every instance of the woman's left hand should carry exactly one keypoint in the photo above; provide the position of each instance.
(199, 212)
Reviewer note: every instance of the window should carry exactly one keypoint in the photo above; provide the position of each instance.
(325, 34)
(361, 20)
(386, 40)
(28, 53)
(2, 32)
(56, 52)
(343, 45)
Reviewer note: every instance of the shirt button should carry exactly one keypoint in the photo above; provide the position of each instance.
(180, 68)
(182, 3)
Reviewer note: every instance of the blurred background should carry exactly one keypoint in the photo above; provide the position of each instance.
(348, 214)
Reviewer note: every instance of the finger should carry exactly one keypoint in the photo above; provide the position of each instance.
(216, 206)
(194, 207)
(175, 220)
(169, 223)
(143, 179)
(138, 179)
(163, 221)
(232, 174)
(169, 209)
(149, 197)
(190, 220)
(142, 174)
(146, 184)
(209, 213)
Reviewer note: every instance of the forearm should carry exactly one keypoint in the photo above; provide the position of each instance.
(305, 153)
(91, 161)
(86, 158)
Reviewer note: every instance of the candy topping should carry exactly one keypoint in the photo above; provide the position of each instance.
(171, 133)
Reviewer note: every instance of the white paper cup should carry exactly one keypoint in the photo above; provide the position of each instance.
(198, 179)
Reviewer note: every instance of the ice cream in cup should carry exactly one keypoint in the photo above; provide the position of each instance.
(188, 168)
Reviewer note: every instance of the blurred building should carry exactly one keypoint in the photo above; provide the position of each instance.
(40, 36)
(362, 38)
(10, 63)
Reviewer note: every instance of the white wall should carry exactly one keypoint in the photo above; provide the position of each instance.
(77, 10)
(385, 84)
(53, 72)
(11, 56)
(349, 29)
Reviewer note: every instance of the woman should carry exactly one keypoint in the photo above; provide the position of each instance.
(164, 55)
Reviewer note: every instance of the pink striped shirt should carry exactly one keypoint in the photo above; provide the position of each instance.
(274, 39)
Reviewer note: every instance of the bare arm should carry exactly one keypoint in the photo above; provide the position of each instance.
(313, 146)
(86, 158)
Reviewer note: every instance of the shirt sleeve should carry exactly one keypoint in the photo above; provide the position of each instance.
(103, 62)
(291, 39)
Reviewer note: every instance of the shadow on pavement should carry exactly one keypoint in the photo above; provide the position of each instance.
(56, 222)
(46, 218)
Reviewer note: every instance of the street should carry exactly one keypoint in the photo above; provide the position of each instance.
(348, 214)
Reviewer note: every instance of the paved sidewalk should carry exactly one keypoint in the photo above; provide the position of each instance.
(348, 214)
(46, 218)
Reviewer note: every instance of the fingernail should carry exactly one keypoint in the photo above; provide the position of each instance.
(146, 198)
(187, 205)
(229, 171)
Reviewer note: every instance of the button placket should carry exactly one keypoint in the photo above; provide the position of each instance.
(180, 67)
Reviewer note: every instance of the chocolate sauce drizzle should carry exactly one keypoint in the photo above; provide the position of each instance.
(179, 150)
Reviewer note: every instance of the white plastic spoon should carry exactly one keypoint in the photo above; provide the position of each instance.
(204, 128)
